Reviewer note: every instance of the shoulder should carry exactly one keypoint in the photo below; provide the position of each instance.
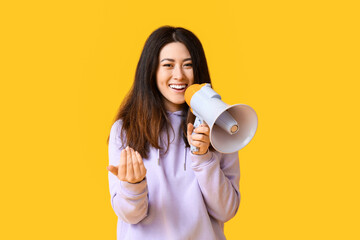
(116, 124)
(115, 131)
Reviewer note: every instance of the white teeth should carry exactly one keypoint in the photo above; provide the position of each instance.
(178, 86)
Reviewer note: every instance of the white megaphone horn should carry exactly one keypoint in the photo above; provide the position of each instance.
(231, 127)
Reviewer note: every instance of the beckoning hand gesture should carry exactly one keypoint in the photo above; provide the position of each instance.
(131, 168)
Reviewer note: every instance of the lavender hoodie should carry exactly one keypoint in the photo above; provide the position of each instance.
(184, 196)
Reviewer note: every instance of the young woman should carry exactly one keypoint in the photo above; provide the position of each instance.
(160, 189)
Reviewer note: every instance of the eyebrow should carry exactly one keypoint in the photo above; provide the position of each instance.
(172, 60)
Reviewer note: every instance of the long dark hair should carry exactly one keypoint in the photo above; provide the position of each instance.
(143, 112)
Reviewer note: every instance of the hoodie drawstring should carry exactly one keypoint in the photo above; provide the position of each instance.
(185, 151)
(158, 157)
(185, 157)
(158, 152)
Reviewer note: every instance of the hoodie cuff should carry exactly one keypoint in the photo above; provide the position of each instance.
(201, 160)
(133, 189)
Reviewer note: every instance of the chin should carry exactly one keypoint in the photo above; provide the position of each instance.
(179, 102)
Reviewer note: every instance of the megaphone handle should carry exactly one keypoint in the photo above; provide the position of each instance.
(197, 123)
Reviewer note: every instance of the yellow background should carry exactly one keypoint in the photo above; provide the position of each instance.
(66, 66)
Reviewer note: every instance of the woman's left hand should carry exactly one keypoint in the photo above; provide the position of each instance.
(201, 137)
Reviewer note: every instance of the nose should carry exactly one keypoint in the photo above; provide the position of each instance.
(178, 73)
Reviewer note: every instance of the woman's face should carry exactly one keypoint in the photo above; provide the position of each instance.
(174, 74)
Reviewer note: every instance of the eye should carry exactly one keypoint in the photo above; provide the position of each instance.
(167, 65)
(188, 64)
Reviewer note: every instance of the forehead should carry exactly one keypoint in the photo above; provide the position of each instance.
(174, 50)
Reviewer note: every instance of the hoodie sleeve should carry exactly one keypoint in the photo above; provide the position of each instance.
(129, 201)
(218, 176)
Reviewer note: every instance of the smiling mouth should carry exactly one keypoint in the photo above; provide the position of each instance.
(178, 86)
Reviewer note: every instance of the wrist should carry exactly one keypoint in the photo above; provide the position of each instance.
(197, 153)
(139, 181)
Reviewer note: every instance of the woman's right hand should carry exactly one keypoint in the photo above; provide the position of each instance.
(131, 168)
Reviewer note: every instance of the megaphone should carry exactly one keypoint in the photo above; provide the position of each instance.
(231, 127)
